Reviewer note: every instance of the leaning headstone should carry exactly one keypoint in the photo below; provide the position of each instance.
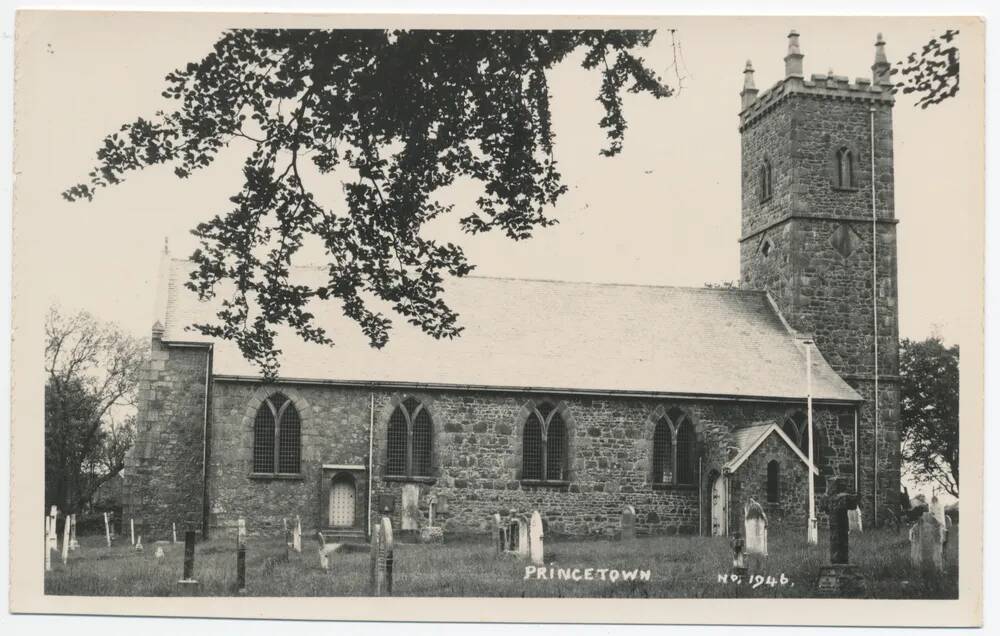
(854, 520)
(840, 578)
(536, 538)
(65, 541)
(380, 580)
(755, 528)
(925, 543)
(188, 578)
(411, 510)
(628, 523)
(297, 535)
(107, 529)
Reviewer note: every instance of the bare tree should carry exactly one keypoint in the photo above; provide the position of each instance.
(92, 370)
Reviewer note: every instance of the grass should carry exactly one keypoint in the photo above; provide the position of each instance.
(680, 567)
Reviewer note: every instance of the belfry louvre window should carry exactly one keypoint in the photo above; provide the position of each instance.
(409, 441)
(674, 450)
(544, 452)
(277, 437)
(765, 177)
(845, 168)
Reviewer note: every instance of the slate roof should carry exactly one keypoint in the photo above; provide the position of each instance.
(545, 335)
(747, 440)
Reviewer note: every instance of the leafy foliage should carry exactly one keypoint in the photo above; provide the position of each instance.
(405, 113)
(929, 411)
(92, 371)
(932, 73)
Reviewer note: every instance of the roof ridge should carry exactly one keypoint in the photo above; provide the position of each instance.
(560, 281)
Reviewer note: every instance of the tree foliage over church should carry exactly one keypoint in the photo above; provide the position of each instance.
(403, 114)
(929, 411)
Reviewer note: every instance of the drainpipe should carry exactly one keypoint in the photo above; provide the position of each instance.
(371, 464)
(701, 502)
(812, 536)
(871, 113)
(857, 455)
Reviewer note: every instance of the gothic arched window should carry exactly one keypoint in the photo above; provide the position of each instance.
(772, 481)
(845, 168)
(796, 426)
(766, 179)
(277, 433)
(544, 451)
(674, 450)
(409, 441)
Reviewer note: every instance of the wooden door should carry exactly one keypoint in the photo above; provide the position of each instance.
(342, 496)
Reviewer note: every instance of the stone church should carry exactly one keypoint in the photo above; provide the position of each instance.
(574, 399)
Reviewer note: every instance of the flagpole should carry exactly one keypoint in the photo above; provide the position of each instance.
(811, 532)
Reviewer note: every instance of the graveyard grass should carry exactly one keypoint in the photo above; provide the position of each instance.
(681, 567)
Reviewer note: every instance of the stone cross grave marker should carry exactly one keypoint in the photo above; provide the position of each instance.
(755, 529)
(628, 523)
(925, 542)
(840, 578)
(297, 535)
(380, 579)
(854, 521)
(536, 538)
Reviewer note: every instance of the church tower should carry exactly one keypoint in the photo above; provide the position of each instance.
(819, 234)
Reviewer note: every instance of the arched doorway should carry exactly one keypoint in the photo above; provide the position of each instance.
(717, 504)
(342, 501)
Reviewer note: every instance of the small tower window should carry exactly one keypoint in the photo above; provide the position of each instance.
(845, 169)
(765, 248)
(772, 481)
(766, 181)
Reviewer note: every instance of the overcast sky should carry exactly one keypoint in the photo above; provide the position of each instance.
(665, 212)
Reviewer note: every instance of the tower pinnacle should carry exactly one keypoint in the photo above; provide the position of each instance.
(793, 60)
(749, 92)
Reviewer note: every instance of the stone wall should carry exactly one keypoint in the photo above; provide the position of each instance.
(476, 457)
(164, 467)
(792, 507)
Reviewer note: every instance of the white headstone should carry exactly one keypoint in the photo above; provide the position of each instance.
(73, 543)
(159, 552)
(755, 528)
(536, 538)
(138, 544)
(628, 523)
(65, 541)
(411, 509)
(854, 520)
(937, 509)
(131, 530)
(48, 543)
(297, 535)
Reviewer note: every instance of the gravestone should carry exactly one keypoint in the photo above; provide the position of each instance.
(73, 543)
(840, 578)
(138, 544)
(159, 554)
(536, 538)
(325, 550)
(381, 560)
(738, 546)
(411, 509)
(174, 528)
(523, 546)
(854, 520)
(53, 535)
(755, 529)
(48, 543)
(431, 534)
(925, 543)
(131, 526)
(107, 529)
(188, 577)
(65, 541)
(498, 545)
(628, 523)
(297, 535)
